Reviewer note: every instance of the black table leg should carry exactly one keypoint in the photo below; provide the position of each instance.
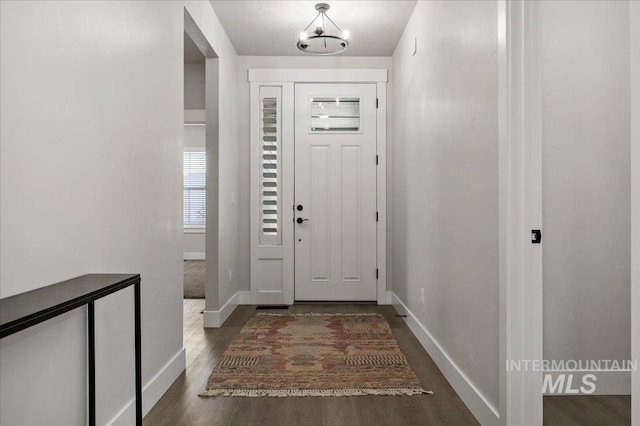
(91, 343)
(138, 342)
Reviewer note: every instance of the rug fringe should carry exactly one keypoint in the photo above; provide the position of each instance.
(317, 314)
(312, 392)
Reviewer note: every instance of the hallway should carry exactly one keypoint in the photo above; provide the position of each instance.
(182, 406)
(468, 169)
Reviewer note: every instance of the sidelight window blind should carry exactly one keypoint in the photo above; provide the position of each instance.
(270, 159)
(194, 192)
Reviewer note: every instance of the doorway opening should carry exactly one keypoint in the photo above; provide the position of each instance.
(200, 161)
(194, 170)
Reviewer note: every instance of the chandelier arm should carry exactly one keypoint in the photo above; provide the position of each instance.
(312, 21)
(324, 40)
(334, 24)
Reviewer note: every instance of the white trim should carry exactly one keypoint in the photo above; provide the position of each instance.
(634, 26)
(153, 390)
(480, 407)
(194, 116)
(532, 303)
(286, 78)
(381, 192)
(195, 149)
(193, 255)
(503, 206)
(275, 298)
(327, 75)
(215, 319)
(261, 298)
(194, 229)
(244, 298)
(288, 196)
(254, 184)
(520, 284)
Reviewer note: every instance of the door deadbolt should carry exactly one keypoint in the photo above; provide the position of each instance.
(299, 207)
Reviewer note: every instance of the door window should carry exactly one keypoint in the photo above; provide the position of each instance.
(335, 114)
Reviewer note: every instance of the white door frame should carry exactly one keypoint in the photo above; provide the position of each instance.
(634, 27)
(286, 79)
(521, 206)
(520, 209)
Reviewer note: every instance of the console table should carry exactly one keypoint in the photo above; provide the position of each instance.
(28, 309)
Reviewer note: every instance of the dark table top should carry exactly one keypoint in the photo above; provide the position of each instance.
(27, 309)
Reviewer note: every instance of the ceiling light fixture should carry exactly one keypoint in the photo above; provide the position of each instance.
(323, 40)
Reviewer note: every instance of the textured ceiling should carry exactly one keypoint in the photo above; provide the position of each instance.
(271, 28)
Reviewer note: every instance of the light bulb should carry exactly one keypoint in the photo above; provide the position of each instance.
(345, 34)
(303, 36)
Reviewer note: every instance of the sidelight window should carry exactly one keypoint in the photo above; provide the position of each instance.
(270, 170)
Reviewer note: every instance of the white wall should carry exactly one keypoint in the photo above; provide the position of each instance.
(635, 196)
(221, 239)
(91, 148)
(194, 85)
(244, 64)
(445, 191)
(223, 133)
(586, 182)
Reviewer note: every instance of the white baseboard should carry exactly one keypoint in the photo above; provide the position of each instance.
(480, 407)
(276, 298)
(261, 298)
(215, 319)
(193, 255)
(152, 391)
(607, 382)
(244, 298)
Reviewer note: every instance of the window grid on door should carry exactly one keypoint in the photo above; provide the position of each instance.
(270, 167)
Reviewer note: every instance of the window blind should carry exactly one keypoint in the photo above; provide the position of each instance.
(270, 188)
(195, 202)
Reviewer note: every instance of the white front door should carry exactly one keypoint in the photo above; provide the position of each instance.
(335, 192)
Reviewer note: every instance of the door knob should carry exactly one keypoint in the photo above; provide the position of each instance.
(300, 220)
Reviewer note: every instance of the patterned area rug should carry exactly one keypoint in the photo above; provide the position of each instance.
(314, 355)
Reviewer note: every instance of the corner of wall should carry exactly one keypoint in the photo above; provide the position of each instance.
(215, 319)
(479, 405)
(152, 390)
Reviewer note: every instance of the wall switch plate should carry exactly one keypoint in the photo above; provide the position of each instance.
(422, 295)
(230, 276)
(414, 48)
(233, 198)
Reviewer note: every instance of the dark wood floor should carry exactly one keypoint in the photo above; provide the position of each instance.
(587, 410)
(182, 406)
